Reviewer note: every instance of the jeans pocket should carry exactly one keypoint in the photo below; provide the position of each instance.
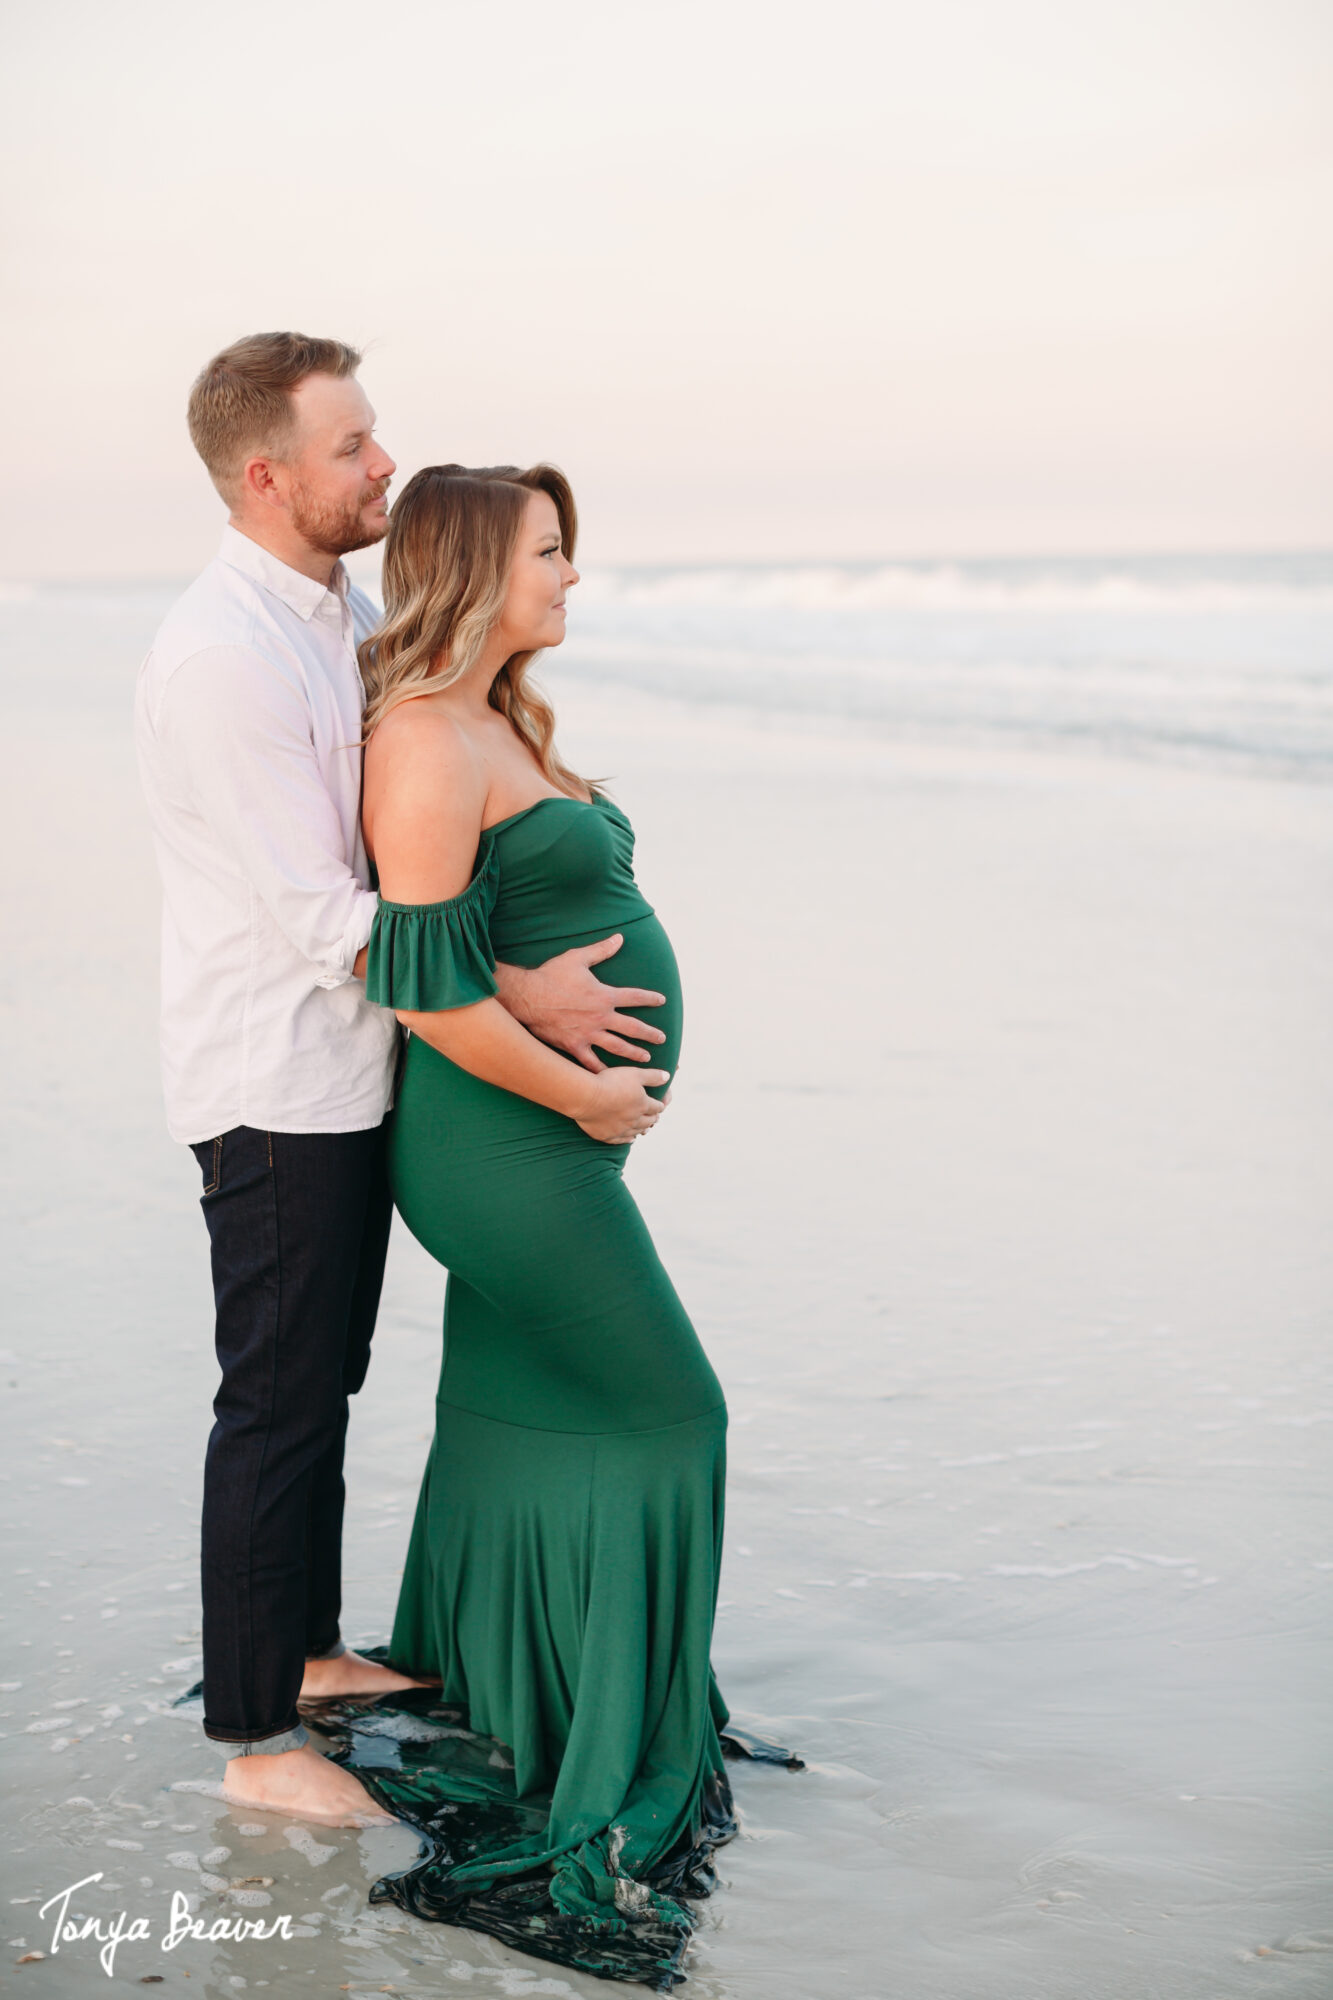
(208, 1152)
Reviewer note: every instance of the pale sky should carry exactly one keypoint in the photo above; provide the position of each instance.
(848, 278)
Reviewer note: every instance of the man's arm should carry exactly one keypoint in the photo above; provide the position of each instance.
(563, 1002)
(242, 733)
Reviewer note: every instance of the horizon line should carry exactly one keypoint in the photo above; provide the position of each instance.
(151, 579)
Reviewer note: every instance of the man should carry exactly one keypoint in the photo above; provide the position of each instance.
(278, 1072)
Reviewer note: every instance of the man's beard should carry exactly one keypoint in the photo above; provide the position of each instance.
(335, 531)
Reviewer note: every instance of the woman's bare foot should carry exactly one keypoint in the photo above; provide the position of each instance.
(303, 1784)
(325, 1680)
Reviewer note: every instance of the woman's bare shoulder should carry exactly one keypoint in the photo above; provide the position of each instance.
(421, 727)
(420, 743)
(424, 797)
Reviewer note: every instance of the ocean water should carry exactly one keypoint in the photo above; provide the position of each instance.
(1218, 661)
(997, 1181)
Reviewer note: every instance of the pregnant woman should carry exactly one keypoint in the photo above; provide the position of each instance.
(562, 1573)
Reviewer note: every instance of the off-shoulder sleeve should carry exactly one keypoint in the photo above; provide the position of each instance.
(426, 958)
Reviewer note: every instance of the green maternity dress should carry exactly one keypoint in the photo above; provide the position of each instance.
(562, 1574)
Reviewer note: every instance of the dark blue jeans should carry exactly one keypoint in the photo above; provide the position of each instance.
(299, 1224)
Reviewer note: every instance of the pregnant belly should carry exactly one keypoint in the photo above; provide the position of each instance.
(644, 959)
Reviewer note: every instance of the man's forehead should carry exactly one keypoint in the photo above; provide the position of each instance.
(335, 402)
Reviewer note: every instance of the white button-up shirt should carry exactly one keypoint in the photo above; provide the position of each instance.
(248, 722)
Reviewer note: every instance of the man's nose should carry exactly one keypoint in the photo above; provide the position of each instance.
(384, 466)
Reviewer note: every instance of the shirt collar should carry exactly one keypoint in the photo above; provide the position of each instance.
(301, 593)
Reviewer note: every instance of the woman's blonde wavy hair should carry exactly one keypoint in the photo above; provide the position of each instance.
(447, 559)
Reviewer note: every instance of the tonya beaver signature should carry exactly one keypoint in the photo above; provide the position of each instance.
(112, 1932)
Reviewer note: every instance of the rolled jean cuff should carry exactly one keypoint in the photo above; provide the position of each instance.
(263, 1746)
(333, 1652)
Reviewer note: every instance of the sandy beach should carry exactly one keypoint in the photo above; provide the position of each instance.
(997, 1182)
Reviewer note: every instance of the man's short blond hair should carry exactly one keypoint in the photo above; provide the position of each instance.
(241, 401)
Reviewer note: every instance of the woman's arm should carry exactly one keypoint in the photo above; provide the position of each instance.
(425, 797)
(613, 1104)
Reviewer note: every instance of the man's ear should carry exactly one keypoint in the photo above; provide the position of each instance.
(258, 483)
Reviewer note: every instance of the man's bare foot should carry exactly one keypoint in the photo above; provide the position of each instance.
(303, 1784)
(325, 1680)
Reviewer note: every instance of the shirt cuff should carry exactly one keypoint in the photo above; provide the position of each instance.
(355, 937)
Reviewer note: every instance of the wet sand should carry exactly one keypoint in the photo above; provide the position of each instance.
(997, 1180)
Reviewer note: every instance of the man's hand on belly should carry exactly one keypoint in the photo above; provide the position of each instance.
(564, 1003)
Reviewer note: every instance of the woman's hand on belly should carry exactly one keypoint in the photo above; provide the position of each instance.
(619, 1108)
(613, 1105)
